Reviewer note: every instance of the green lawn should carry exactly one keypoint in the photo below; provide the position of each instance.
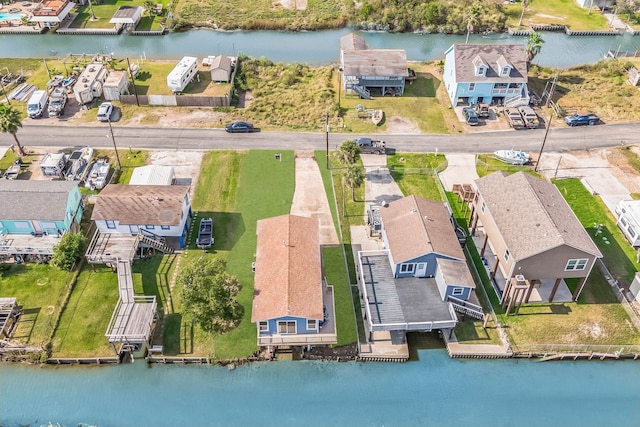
(104, 11)
(415, 173)
(486, 164)
(556, 12)
(129, 160)
(336, 275)
(40, 291)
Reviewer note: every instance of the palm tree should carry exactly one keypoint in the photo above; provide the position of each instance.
(525, 4)
(353, 178)
(472, 16)
(348, 153)
(10, 122)
(534, 44)
(93, 15)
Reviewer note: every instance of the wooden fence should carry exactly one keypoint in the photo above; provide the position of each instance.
(178, 100)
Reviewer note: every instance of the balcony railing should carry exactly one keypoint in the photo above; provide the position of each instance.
(302, 339)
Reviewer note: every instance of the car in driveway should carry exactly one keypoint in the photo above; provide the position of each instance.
(240, 127)
(470, 116)
(578, 119)
(104, 111)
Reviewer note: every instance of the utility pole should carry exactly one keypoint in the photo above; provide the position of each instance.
(5, 92)
(327, 138)
(133, 82)
(113, 138)
(544, 140)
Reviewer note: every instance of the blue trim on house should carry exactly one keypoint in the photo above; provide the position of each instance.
(301, 326)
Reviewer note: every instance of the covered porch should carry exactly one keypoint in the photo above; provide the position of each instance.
(28, 244)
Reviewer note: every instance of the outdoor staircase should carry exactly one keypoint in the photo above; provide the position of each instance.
(362, 91)
(518, 100)
(466, 308)
(154, 241)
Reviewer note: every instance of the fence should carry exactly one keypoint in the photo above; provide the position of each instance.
(178, 100)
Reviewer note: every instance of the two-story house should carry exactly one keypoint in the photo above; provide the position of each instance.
(486, 73)
(34, 214)
(292, 303)
(530, 231)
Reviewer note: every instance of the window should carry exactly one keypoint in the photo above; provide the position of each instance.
(287, 327)
(21, 224)
(407, 268)
(457, 292)
(150, 227)
(482, 208)
(576, 264)
(263, 326)
(312, 324)
(111, 224)
(472, 87)
(480, 71)
(506, 254)
(165, 227)
(632, 232)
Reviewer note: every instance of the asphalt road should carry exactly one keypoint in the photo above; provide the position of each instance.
(559, 139)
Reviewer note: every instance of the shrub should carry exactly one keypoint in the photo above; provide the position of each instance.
(68, 251)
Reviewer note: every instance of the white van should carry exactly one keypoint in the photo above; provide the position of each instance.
(37, 103)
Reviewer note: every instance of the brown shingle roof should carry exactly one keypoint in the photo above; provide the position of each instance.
(375, 63)
(141, 204)
(531, 215)
(352, 41)
(415, 226)
(288, 277)
(466, 55)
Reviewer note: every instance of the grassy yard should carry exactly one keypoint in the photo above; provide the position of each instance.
(40, 291)
(486, 164)
(104, 11)
(152, 79)
(556, 12)
(336, 275)
(414, 173)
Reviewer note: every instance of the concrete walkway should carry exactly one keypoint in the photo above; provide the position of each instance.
(461, 169)
(379, 186)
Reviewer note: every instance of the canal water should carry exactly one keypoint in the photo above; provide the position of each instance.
(319, 47)
(435, 391)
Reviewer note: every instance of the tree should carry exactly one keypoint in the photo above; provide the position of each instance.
(472, 16)
(149, 5)
(534, 45)
(10, 122)
(525, 4)
(353, 178)
(68, 251)
(209, 295)
(348, 153)
(93, 15)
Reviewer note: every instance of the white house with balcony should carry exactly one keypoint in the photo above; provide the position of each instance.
(486, 73)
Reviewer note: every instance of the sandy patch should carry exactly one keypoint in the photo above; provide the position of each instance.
(191, 118)
(292, 4)
(310, 199)
(400, 125)
(593, 330)
(542, 15)
(186, 165)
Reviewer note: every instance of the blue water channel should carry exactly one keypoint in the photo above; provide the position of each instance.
(435, 391)
(319, 47)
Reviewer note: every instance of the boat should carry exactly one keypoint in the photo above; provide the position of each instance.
(98, 176)
(78, 164)
(14, 170)
(377, 116)
(68, 81)
(205, 234)
(513, 157)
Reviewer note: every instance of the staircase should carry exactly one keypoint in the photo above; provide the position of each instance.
(466, 308)
(362, 91)
(154, 241)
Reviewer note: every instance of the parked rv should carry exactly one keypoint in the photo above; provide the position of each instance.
(37, 103)
(182, 74)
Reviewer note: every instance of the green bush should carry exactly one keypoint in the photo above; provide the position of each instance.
(68, 251)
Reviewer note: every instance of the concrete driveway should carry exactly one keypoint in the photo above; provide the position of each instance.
(379, 186)
(461, 169)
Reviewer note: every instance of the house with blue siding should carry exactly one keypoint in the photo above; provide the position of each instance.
(292, 303)
(159, 211)
(493, 74)
(35, 214)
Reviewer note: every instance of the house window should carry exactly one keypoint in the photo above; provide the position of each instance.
(472, 87)
(623, 222)
(111, 225)
(482, 208)
(150, 227)
(481, 71)
(263, 326)
(631, 231)
(21, 224)
(506, 254)
(505, 71)
(407, 268)
(165, 227)
(287, 327)
(312, 324)
(456, 292)
(576, 264)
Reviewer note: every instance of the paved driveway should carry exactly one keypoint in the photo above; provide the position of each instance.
(379, 186)
(461, 169)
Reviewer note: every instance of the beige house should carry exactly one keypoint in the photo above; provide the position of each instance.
(531, 233)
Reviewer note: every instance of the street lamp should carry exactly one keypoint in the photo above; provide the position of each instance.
(113, 138)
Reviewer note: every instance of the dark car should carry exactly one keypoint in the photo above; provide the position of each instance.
(578, 119)
(237, 127)
(470, 116)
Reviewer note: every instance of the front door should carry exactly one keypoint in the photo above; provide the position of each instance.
(37, 228)
(421, 269)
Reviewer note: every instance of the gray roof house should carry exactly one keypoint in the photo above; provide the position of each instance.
(221, 69)
(486, 73)
(531, 235)
(370, 72)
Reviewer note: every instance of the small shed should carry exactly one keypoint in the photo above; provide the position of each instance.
(152, 175)
(52, 164)
(116, 84)
(127, 17)
(453, 279)
(221, 69)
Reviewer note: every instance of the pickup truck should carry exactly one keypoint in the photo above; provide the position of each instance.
(578, 119)
(529, 116)
(205, 234)
(57, 101)
(371, 146)
(514, 118)
(482, 110)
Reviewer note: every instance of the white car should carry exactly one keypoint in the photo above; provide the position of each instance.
(104, 111)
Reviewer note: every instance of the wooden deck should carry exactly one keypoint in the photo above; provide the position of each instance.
(26, 244)
(7, 306)
(107, 248)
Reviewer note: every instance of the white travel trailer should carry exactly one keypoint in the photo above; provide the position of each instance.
(628, 220)
(182, 74)
(89, 84)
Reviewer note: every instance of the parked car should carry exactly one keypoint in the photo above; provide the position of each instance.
(470, 116)
(582, 119)
(104, 111)
(482, 110)
(240, 127)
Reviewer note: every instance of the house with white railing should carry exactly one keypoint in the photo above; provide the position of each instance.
(486, 74)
